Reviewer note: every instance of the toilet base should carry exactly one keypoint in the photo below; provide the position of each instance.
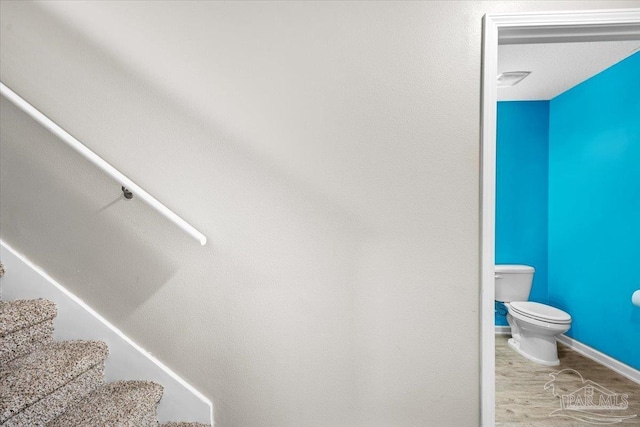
(535, 339)
(514, 344)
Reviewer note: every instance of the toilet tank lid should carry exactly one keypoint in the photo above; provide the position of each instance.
(514, 268)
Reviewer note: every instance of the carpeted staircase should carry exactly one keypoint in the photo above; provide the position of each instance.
(61, 383)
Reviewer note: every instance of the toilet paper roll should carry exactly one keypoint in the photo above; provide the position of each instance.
(635, 298)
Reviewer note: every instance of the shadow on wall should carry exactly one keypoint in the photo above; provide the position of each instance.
(224, 180)
(281, 265)
(81, 211)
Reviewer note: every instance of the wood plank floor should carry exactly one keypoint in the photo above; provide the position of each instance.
(522, 401)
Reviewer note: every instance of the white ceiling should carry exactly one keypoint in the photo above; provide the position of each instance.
(556, 67)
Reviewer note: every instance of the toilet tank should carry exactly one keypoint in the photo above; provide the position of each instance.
(513, 282)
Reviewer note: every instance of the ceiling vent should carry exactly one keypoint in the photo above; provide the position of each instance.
(511, 78)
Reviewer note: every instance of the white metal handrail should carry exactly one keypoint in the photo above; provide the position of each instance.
(100, 163)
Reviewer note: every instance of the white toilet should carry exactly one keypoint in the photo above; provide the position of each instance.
(534, 326)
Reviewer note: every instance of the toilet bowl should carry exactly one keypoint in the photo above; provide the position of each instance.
(534, 326)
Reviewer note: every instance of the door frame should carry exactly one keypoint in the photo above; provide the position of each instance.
(522, 28)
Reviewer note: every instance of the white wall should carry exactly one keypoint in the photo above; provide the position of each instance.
(330, 153)
(126, 361)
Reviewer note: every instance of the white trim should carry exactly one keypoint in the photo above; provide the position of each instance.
(14, 287)
(503, 330)
(102, 164)
(567, 26)
(487, 215)
(597, 356)
(575, 26)
(590, 353)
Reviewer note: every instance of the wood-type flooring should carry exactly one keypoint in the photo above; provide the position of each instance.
(528, 396)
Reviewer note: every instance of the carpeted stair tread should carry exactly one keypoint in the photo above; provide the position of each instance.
(20, 314)
(53, 405)
(184, 424)
(120, 403)
(27, 379)
(25, 340)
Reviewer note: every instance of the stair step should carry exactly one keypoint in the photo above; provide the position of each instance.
(25, 341)
(28, 379)
(20, 314)
(54, 404)
(24, 326)
(120, 403)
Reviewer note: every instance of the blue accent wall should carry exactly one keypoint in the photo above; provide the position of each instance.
(522, 191)
(594, 209)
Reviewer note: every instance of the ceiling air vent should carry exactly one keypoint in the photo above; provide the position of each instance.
(511, 78)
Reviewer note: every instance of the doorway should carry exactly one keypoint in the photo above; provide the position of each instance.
(553, 27)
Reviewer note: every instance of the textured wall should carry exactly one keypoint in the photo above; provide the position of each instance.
(522, 190)
(594, 209)
(330, 152)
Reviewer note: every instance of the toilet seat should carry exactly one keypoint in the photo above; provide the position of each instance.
(541, 312)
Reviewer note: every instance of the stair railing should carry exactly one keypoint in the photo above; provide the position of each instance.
(129, 187)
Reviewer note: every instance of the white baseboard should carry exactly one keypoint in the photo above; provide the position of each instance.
(126, 360)
(595, 355)
(591, 353)
(503, 330)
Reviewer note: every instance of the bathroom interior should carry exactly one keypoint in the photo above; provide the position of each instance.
(567, 217)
